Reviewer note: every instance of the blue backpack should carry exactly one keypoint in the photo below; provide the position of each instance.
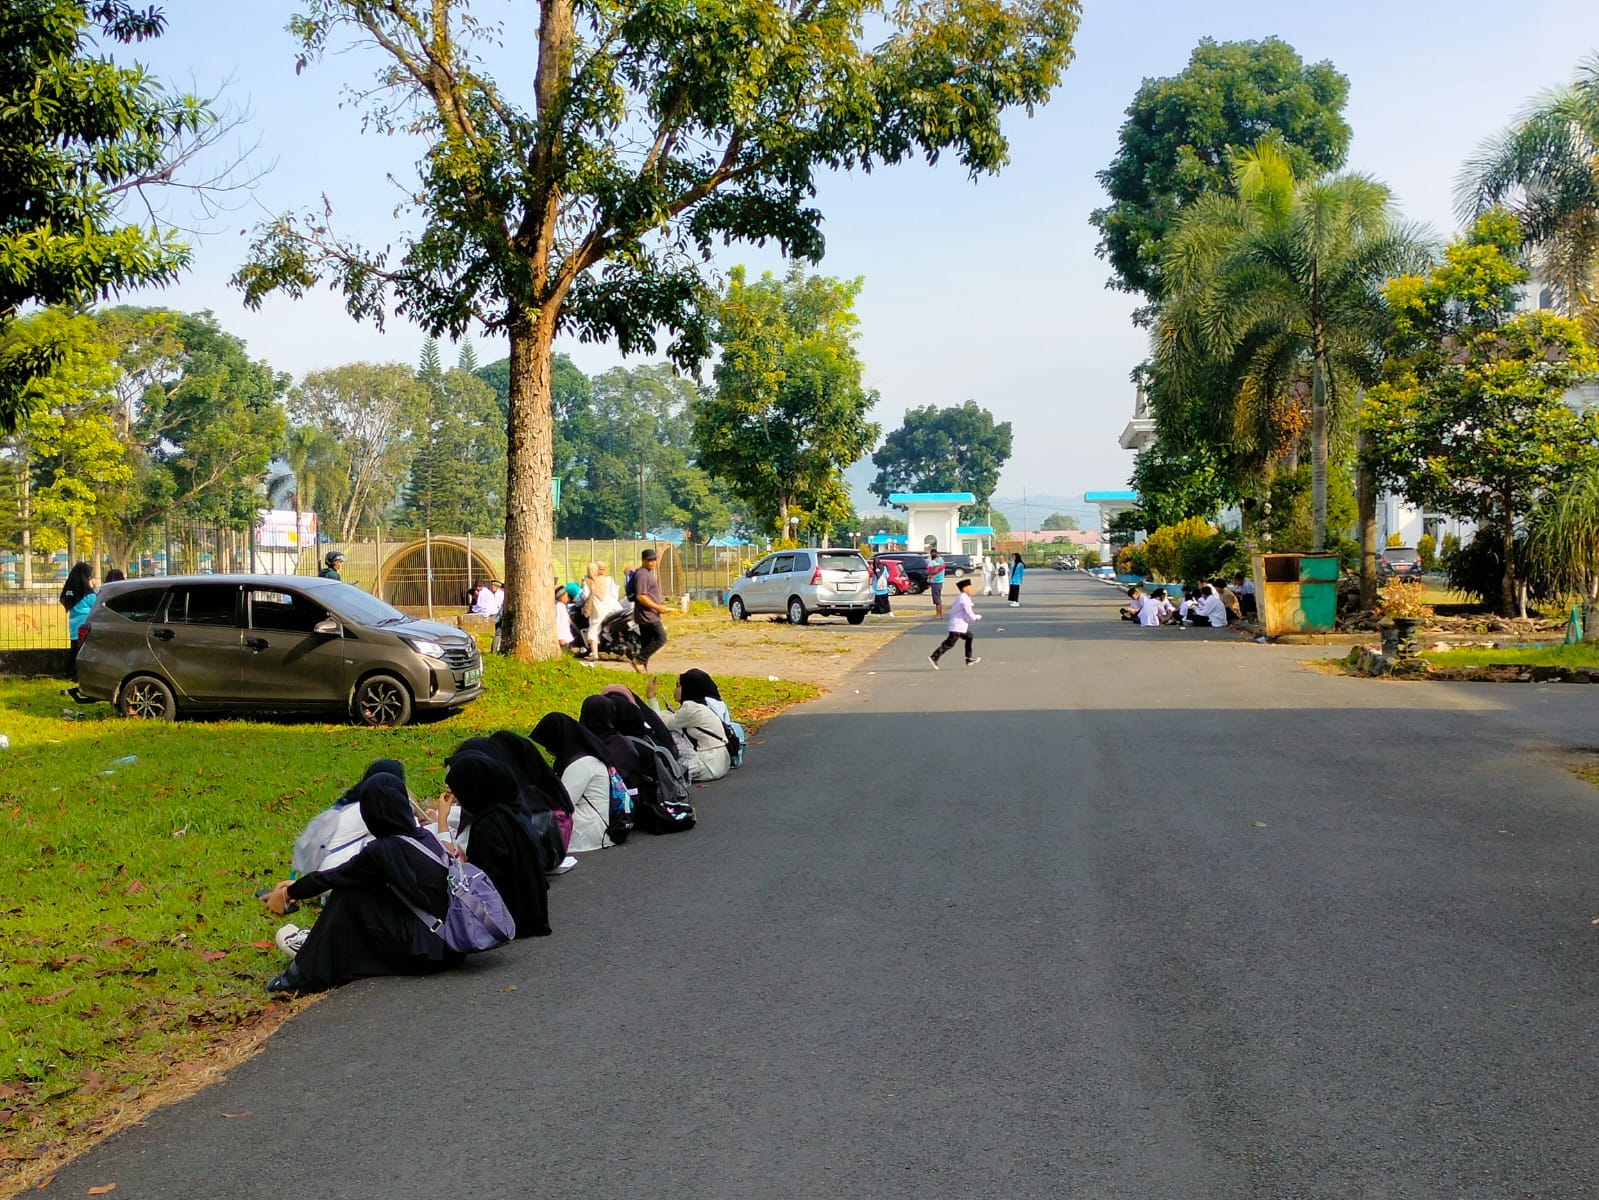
(620, 823)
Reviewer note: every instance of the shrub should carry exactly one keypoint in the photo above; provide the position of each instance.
(1427, 551)
(1088, 558)
(1395, 540)
(1451, 544)
(1165, 547)
(1130, 560)
(1402, 598)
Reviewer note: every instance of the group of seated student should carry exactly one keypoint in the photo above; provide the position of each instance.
(1211, 603)
(378, 858)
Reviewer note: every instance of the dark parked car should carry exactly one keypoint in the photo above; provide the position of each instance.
(274, 642)
(1401, 562)
(914, 565)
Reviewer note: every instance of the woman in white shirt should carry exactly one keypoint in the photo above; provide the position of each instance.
(581, 763)
(695, 720)
(600, 603)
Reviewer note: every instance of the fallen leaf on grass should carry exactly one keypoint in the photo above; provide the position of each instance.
(102, 1189)
(44, 1183)
(51, 998)
(213, 955)
(264, 945)
(134, 888)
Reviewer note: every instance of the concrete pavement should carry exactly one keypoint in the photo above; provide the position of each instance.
(1117, 913)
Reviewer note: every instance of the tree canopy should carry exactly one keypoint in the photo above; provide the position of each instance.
(1064, 521)
(1469, 417)
(957, 449)
(78, 132)
(590, 202)
(788, 412)
(1182, 132)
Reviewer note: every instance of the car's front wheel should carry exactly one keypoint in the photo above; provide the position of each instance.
(382, 700)
(796, 611)
(736, 609)
(147, 697)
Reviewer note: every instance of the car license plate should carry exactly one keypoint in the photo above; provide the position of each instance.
(473, 677)
(845, 586)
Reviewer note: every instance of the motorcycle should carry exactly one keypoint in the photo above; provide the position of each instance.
(619, 633)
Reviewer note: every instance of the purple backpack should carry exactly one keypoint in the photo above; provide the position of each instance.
(477, 918)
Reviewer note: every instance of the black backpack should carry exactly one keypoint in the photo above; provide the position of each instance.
(662, 803)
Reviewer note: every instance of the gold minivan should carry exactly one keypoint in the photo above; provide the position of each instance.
(282, 643)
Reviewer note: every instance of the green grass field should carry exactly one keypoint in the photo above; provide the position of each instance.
(1578, 654)
(130, 938)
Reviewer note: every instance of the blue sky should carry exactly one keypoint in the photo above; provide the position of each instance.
(985, 290)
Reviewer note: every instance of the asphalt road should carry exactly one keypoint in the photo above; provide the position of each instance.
(1117, 913)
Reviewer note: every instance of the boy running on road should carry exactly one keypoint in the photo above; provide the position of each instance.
(962, 616)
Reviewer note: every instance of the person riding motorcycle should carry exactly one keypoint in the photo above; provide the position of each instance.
(334, 560)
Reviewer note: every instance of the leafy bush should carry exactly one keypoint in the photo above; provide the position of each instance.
(1130, 560)
(1347, 550)
(1088, 558)
(1216, 557)
(1427, 551)
(1477, 568)
(1451, 544)
(1165, 547)
(1394, 540)
(1402, 598)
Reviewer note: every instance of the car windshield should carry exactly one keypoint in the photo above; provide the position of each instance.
(352, 602)
(1399, 553)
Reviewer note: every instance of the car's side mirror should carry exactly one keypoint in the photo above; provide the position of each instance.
(327, 625)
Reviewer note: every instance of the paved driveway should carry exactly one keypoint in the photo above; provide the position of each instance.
(1118, 913)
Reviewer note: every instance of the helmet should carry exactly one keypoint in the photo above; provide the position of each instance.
(333, 558)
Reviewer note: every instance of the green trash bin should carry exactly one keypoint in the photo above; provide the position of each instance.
(1296, 593)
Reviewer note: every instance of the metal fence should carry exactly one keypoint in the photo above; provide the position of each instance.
(434, 572)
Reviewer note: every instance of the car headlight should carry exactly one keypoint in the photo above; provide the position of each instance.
(424, 647)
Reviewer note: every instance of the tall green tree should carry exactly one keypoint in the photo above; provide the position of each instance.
(1182, 132)
(590, 203)
(1057, 520)
(1545, 169)
(1470, 418)
(78, 134)
(1280, 282)
(788, 412)
(312, 455)
(957, 449)
(457, 482)
(150, 415)
(373, 413)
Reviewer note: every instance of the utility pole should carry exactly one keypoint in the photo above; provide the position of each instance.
(643, 527)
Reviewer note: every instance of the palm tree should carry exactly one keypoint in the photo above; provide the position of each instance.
(309, 452)
(1281, 283)
(1545, 169)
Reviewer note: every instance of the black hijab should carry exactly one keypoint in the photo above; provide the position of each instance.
(379, 766)
(697, 686)
(538, 788)
(637, 719)
(481, 783)
(77, 585)
(600, 717)
(566, 740)
(386, 807)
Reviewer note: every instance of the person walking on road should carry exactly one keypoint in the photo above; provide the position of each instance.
(962, 616)
(990, 574)
(647, 609)
(880, 590)
(1017, 569)
(935, 580)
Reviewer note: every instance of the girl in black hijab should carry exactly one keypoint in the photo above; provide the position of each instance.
(599, 716)
(502, 842)
(367, 926)
(585, 768)
(77, 585)
(640, 720)
(540, 794)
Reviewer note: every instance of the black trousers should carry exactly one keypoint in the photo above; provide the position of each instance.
(651, 636)
(1015, 592)
(949, 643)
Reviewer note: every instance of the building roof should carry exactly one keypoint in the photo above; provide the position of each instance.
(974, 530)
(1111, 497)
(932, 498)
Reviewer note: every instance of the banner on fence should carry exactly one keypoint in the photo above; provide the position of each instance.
(277, 530)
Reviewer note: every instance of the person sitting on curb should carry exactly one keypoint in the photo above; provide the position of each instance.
(1210, 610)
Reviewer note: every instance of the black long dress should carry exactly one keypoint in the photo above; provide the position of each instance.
(366, 929)
(502, 841)
(540, 796)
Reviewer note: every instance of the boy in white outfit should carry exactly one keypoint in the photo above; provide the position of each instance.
(962, 616)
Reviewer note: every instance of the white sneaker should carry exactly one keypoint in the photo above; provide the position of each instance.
(565, 865)
(1015, 603)
(972, 662)
(290, 938)
(934, 661)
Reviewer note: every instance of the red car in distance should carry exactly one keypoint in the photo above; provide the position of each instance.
(898, 582)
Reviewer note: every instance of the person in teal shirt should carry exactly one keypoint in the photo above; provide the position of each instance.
(1017, 569)
(935, 579)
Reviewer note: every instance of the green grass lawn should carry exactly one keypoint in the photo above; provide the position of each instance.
(1578, 654)
(130, 938)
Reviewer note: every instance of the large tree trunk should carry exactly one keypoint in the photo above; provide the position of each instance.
(528, 626)
(1507, 582)
(1318, 455)
(1366, 503)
